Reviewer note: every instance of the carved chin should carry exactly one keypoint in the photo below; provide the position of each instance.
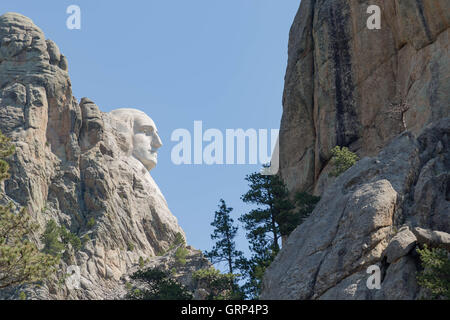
(149, 164)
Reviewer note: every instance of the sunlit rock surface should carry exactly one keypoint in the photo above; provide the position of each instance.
(78, 166)
(343, 83)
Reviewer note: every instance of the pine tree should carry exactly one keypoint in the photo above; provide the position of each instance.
(271, 196)
(289, 220)
(265, 225)
(20, 260)
(158, 285)
(224, 233)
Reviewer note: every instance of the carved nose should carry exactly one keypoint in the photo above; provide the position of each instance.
(156, 142)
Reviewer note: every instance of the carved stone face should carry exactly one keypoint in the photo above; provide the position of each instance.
(146, 141)
(145, 138)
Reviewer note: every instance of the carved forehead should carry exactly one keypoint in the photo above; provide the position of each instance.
(140, 118)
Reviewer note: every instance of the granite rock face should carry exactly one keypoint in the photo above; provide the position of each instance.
(371, 215)
(70, 167)
(384, 94)
(345, 82)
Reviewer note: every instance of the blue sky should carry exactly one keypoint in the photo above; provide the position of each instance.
(221, 62)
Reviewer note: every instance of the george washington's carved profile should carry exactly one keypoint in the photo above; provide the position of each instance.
(144, 135)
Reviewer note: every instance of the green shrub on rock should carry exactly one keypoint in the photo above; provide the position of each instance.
(141, 262)
(179, 240)
(91, 223)
(56, 239)
(342, 160)
(180, 255)
(435, 276)
(51, 239)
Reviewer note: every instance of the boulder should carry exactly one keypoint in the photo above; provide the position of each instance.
(433, 239)
(400, 245)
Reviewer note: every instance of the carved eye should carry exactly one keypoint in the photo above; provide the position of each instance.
(148, 131)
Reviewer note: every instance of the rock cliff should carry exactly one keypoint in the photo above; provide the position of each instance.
(345, 83)
(71, 166)
(375, 213)
(385, 95)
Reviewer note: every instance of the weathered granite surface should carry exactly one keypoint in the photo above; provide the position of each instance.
(73, 164)
(344, 81)
(384, 94)
(375, 213)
